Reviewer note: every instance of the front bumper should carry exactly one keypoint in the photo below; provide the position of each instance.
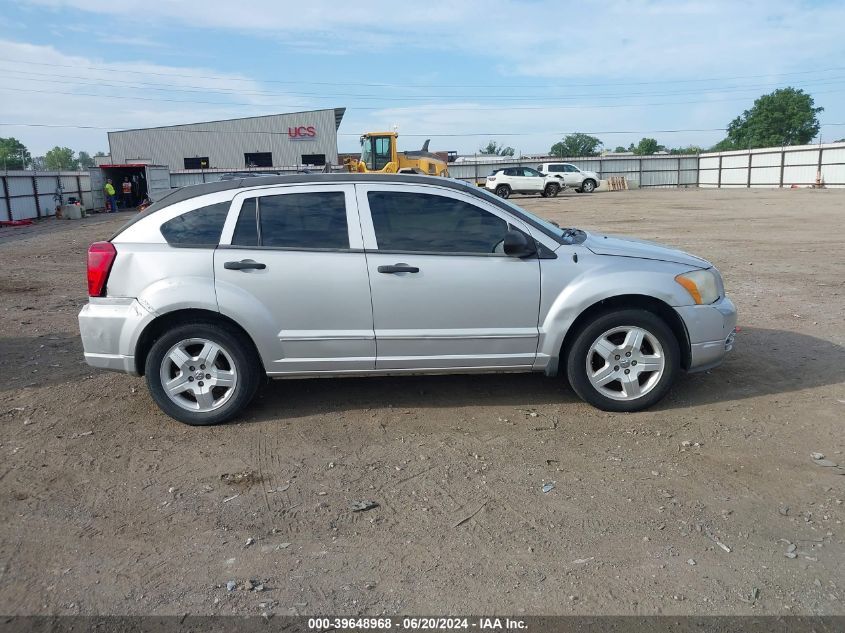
(711, 329)
(110, 329)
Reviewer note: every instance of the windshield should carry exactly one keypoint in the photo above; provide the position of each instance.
(366, 150)
(567, 235)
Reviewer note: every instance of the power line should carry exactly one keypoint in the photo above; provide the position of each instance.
(470, 107)
(117, 83)
(450, 135)
(428, 85)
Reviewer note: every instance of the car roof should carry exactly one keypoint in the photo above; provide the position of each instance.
(195, 191)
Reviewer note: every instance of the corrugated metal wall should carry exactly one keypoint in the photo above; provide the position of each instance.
(769, 167)
(226, 142)
(27, 194)
(648, 171)
(775, 167)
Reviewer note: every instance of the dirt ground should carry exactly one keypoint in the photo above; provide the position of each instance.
(109, 507)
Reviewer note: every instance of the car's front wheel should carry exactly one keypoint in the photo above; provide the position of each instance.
(623, 361)
(588, 186)
(202, 374)
(503, 191)
(551, 190)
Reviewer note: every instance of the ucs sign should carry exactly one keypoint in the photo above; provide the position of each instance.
(302, 133)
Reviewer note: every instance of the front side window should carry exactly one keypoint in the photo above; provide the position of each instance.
(527, 171)
(571, 168)
(315, 220)
(420, 222)
(199, 228)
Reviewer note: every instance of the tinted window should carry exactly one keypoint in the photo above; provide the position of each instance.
(304, 220)
(200, 227)
(246, 229)
(571, 168)
(510, 172)
(556, 168)
(420, 222)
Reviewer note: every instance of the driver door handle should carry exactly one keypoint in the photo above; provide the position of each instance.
(398, 268)
(244, 264)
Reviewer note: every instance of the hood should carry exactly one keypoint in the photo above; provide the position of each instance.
(628, 247)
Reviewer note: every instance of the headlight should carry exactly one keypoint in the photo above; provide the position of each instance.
(701, 284)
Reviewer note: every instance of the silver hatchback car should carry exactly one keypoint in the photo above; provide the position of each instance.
(217, 285)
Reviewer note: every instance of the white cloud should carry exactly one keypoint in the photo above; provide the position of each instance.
(546, 38)
(31, 94)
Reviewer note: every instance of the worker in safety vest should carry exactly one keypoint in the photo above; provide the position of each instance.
(110, 195)
(127, 192)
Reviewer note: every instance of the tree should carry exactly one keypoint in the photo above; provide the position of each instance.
(725, 145)
(85, 161)
(577, 144)
(499, 150)
(842, 140)
(783, 117)
(646, 146)
(689, 149)
(60, 158)
(13, 154)
(620, 150)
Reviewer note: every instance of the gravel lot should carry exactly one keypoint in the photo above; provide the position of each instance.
(110, 507)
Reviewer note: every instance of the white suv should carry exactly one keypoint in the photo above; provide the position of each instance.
(503, 182)
(571, 176)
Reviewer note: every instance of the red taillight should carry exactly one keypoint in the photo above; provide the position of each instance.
(100, 259)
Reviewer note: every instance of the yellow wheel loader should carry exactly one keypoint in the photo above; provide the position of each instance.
(379, 154)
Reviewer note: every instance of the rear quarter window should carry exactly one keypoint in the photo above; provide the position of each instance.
(200, 228)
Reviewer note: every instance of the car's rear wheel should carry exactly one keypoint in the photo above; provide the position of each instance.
(588, 186)
(503, 191)
(623, 361)
(551, 189)
(202, 374)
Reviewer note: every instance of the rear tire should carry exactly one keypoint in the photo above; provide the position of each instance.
(202, 373)
(503, 191)
(623, 361)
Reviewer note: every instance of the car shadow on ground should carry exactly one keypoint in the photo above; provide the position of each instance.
(763, 362)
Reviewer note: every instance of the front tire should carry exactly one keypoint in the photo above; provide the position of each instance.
(202, 374)
(588, 186)
(623, 361)
(551, 190)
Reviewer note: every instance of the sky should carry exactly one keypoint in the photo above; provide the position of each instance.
(461, 72)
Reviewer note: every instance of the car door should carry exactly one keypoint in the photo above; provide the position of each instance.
(533, 180)
(444, 294)
(291, 269)
(572, 175)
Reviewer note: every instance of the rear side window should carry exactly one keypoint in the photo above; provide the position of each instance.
(200, 228)
(418, 222)
(555, 168)
(304, 220)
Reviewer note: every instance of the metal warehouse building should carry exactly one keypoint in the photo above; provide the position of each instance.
(277, 140)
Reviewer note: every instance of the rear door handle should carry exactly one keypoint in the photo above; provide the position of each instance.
(398, 268)
(244, 264)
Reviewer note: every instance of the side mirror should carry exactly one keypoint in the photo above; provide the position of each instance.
(517, 245)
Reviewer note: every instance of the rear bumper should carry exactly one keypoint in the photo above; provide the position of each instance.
(110, 329)
(711, 329)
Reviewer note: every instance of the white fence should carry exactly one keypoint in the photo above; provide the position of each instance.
(28, 194)
(798, 165)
